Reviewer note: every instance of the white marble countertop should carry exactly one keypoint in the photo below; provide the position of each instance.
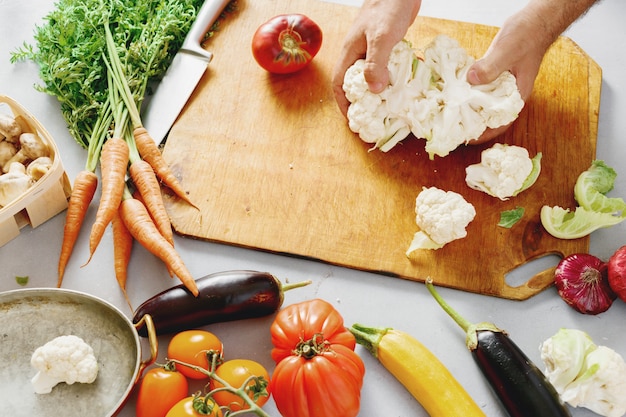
(360, 297)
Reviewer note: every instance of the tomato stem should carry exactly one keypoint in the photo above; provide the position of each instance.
(259, 387)
(312, 347)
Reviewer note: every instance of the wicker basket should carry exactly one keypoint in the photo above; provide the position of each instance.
(48, 196)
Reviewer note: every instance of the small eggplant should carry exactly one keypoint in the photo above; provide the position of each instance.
(223, 296)
(521, 387)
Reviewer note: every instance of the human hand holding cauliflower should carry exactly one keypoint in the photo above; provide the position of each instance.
(430, 98)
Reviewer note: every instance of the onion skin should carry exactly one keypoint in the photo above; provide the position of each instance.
(582, 282)
(617, 272)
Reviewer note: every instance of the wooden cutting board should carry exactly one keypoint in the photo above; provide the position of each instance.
(272, 164)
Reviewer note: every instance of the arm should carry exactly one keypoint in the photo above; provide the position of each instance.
(379, 25)
(522, 42)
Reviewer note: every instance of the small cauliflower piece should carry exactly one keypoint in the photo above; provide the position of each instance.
(442, 217)
(584, 374)
(504, 171)
(63, 359)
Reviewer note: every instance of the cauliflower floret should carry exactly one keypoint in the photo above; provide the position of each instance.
(504, 171)
(431, 99)
(381, 118)
(584, 374)
(63, 359)
(442, 217)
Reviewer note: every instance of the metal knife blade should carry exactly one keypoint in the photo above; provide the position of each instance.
(182, 76)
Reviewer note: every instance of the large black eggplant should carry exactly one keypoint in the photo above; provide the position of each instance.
(521, 387)
(223, 296)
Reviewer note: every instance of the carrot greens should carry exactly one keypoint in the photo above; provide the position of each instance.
(99, 59)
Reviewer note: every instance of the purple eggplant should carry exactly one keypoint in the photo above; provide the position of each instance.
(223, 296)
(521, 387)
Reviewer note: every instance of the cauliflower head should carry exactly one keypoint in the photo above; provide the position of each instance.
(584, 374)
(442, 217)
(63, 359)
(431, 98)
(504, 171)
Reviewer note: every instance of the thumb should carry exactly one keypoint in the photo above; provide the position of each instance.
(482, 71)
(376, 75)
(375, 70)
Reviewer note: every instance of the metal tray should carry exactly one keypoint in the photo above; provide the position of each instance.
(30, 318)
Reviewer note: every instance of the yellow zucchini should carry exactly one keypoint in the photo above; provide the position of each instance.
(419, 370)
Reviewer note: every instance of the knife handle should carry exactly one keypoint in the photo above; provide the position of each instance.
(207, 15)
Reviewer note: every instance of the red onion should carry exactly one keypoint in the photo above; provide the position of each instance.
(617, 272)
(582, 282)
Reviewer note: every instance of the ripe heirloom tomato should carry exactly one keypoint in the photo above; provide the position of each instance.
(286, 43)
(186, 408)
(235, 372)
(302, 321)
(191, 346)
(159, 390)
(318, 373)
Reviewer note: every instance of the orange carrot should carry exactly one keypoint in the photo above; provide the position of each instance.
(140, 225)
(148, 186)
(122, 249)
(152, 155)
(113, 163)
(84, 188)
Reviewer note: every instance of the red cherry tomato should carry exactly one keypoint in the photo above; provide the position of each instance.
(286, 43)
(235, 372)
(191, 346)
(159, 390)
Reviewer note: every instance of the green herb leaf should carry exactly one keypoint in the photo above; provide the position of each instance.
(21, 280)
(509, 217)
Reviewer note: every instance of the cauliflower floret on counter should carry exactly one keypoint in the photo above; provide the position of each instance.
(442, 217)
(63, 359)
(504, 171)
(431, 98)
(584, 374)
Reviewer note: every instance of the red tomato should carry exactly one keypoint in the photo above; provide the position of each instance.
(185, 408)
(235, 372)
(302, 321)
(617, 272)
(159, 390)
(286, 43)
(317, 373)
(193, 347)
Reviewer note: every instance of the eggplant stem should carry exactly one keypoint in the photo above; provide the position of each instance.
(461, 321)
(291, 286)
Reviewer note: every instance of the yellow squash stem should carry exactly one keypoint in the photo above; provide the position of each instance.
(419, 370)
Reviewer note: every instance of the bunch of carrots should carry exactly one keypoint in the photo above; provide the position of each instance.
(134, 214)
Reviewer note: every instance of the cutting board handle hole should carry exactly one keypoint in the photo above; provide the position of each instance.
(523, 274)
